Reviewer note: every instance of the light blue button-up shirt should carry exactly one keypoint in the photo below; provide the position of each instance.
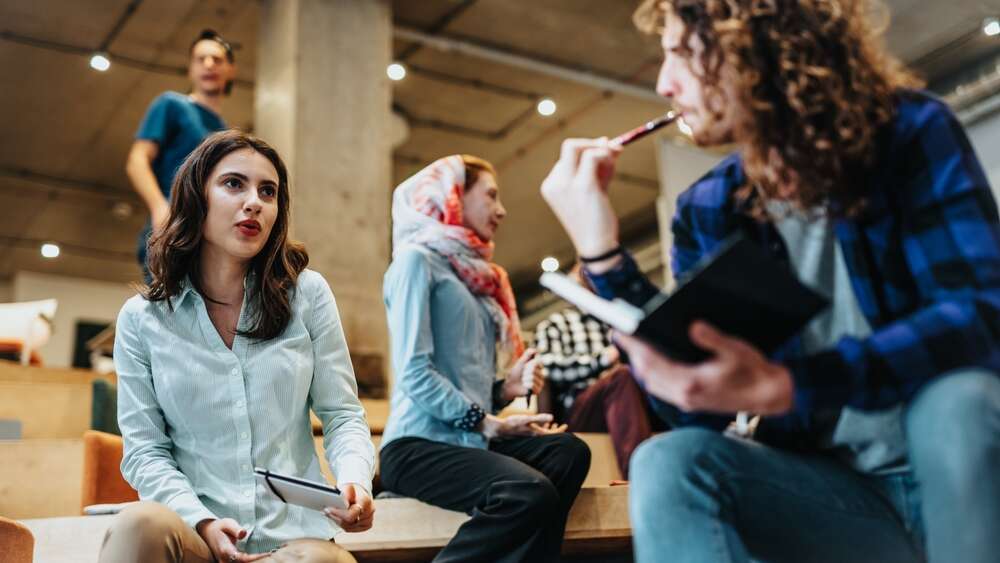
(443, 343)
(197, 417)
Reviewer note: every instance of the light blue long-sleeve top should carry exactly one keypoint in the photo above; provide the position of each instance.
(197, 417)
(443, 343)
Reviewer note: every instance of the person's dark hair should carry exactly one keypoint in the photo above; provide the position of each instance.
(174, 251)
(816, 82)
(474, 166)
(211, 35)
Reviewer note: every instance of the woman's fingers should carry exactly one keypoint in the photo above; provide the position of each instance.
(344, 516)
(357, 525)
(534, 376)
(549, 428)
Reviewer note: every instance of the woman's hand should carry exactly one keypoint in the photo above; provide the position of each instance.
(221, 536)
(520, 425)
(360, 512)
(610, 356)
(526, 375)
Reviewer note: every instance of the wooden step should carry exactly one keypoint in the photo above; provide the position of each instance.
(49, 402)
(56, 402)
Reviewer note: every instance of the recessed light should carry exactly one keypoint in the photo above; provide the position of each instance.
(546, 107)
(100, 62)
(396, 71)
(991, 26)
(50, 250)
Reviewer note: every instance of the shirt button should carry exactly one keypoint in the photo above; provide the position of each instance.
(243, 435)
(247, 493)
(235, 371)
(246, 467)
(239, 404)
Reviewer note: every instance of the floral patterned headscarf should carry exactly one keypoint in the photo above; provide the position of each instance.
(427, 211)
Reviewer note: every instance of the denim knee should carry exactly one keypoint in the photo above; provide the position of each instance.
(662, 468)
(954, 420)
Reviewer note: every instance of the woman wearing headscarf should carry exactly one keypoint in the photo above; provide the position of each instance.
(452, 322)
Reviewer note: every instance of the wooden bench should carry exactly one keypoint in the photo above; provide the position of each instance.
(404, 530)
(43, 478)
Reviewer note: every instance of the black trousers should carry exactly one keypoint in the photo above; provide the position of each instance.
(518, 492)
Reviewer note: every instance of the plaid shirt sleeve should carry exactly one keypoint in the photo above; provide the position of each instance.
(950, 238)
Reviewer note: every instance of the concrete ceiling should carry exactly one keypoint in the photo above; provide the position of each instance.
(67, 128)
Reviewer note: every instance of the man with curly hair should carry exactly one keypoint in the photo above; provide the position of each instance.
(879, 435)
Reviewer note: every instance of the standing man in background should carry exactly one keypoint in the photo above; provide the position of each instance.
(175, 124)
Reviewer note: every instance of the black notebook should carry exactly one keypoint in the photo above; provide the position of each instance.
(740, 290)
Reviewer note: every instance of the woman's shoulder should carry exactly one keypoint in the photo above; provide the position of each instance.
(311, 283)
(137, 305)
(414, 258)
(136, 311)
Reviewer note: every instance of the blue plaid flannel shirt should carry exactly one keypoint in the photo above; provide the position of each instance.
(924, 260)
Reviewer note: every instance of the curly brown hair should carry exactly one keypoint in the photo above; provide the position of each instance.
(174, 252)
(814, 80)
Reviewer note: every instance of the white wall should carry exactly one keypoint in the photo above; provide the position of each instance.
(679, 164)
(6, 291)
(985, 137)
(79, 300)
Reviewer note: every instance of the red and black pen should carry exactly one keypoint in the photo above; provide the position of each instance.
(646, 128)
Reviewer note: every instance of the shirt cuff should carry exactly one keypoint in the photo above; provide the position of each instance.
(624, 281)
(498, 400)
(189, 507)
(353, 470)
(471, 419)
(822, 381)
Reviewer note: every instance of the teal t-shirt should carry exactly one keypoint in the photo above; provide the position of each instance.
(177, 124)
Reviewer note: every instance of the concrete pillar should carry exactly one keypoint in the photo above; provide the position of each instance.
(680, 165)
(323, 100)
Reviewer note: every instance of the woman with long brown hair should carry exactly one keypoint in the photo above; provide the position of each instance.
(219, 360)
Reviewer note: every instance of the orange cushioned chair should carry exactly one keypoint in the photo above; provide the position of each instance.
(102, 477)
(16, 542)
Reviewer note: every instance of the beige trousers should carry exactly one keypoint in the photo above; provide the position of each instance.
(148, 532)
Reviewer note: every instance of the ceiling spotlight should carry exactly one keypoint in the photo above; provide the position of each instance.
(550, 264)
(683, 126)
(50, 250)
(396, 71)
(100, 62)
(991, 26)
(546, 107)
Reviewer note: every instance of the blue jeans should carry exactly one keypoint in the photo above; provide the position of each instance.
(698, 496)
